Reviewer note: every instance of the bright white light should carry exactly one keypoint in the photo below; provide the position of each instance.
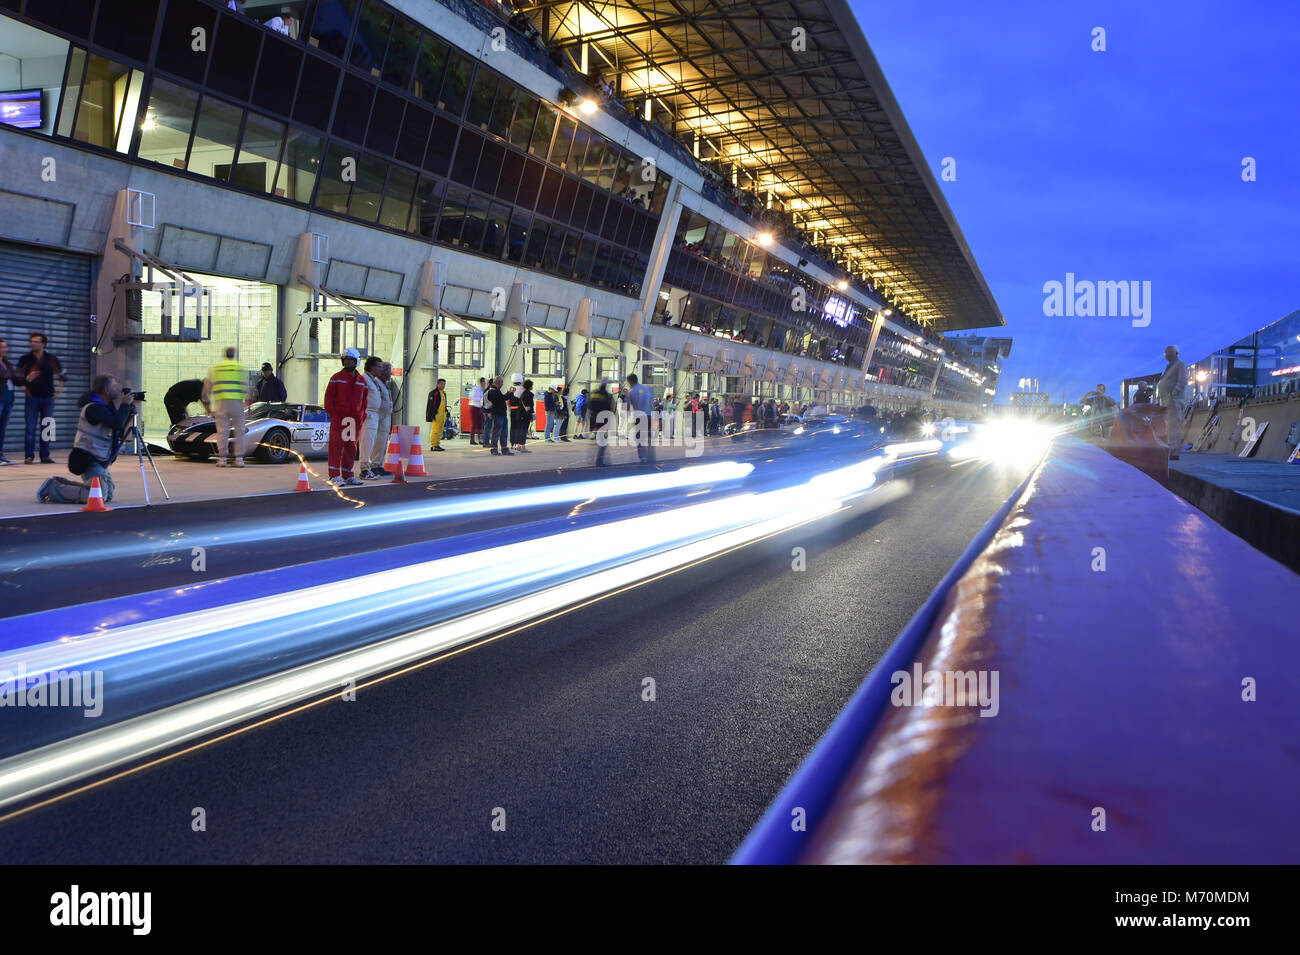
(1007, 441)
(927, 429)
(765, 239)
(912, 447)
(587, 107)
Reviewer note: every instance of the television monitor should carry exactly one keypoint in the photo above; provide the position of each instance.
(249, 175)
(21, 109)
(840, 311)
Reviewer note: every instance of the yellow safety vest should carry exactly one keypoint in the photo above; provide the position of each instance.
(228, 383)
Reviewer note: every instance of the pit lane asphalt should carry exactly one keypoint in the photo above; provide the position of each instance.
(751, 662)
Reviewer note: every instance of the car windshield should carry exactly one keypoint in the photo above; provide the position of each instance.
(272, 409)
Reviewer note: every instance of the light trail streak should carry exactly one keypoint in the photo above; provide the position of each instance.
(689, 534)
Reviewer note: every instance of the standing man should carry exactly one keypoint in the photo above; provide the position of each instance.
(552, 415)
(1171, 391)
(600, 409)
(494, 410)
(43, 377)
(641, 403)
(345, 402)
(388, 398)
(268, 387)
(435, 412)
(562, 412)
(8, 394)
(181, 395)
(483, 420)
(580, 412)
(1102, 410)
(375, 392)
(226, 388)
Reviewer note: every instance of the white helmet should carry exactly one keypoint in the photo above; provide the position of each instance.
(516, 379)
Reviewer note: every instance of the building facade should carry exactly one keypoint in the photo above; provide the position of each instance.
(406, 178)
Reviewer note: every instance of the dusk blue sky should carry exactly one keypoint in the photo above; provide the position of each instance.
(1122, 165)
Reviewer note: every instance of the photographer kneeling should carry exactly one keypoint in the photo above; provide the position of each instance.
(104, 415)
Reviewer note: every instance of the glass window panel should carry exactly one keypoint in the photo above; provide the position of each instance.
(176, 53)
(494, 230)
(414, 135)
(550, 193)
(429, 67)
(452, 219)
(428, 197)
(354, 108)
(402, 48)
(521, 127)
(71, 92)
(480, 98)
(512, 171)
(455, 85)
(568, 197)
(316, 92)
(442, 141)
(371, 37)
(578, 153)
(661, 184)
(503, 110)
(215, 135)
(331, 25)
(536, 244)
(368, 190)
(489, 167)
(603, 216)
(568, 254)
(332, 193)
(168, 120)
(517, 236)
(627, 169)
(586, 255)
(385, 122)
(582, 207)
(563, 140)
(608, 167)
(543, 129)
(530, 183)
(70, 16)
(471, 237)
(235, 50)
(629, 222)
(102, 96)
(554, 243)
(468, 150)
(259, 154)
(122, 31)
(396, 210)
(299, 166)
(277, 76)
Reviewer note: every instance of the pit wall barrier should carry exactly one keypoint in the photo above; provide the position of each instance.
(1143, 709)
(1279, 413)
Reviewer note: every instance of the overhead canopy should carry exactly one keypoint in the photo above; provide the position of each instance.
(818, 128)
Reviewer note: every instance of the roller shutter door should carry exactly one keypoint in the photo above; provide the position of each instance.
(46, 291)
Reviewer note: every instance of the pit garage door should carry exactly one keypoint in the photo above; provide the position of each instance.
(46, 291)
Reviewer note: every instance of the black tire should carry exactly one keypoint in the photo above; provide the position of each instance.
(274, 448)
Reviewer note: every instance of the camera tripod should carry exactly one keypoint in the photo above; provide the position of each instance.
(142, 452)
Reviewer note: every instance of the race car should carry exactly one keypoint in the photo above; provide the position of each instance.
(275, 430)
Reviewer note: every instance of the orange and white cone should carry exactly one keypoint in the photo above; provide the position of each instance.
(394, 460)
(303, 483)
(95, 502)
(415, 466)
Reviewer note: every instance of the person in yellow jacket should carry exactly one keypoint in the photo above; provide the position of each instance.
(225, 389)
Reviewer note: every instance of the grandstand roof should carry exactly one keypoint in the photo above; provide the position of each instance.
(819, 128)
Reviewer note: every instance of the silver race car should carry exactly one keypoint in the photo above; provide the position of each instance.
(274, 430)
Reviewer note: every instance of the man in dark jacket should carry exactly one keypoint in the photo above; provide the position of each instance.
(435, 412)
(600, 412)
(494, 408)
(268, 387)
(40, 372)
(181, 395)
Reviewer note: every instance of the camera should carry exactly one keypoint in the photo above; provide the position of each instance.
(138, 396)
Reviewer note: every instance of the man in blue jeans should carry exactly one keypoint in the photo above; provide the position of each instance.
(38, 370)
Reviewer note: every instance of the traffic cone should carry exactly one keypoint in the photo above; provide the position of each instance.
(95, 502)
(415, 466)
(303, 483)
(394, 460)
